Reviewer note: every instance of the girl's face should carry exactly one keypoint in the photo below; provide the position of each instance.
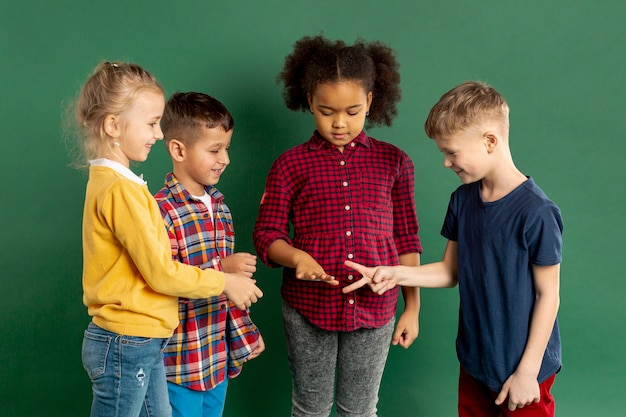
(139, 128)
(340, 109)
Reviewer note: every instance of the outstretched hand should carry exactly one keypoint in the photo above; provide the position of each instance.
(380, 279)
(309, 270)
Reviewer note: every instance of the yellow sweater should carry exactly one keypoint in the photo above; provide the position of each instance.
(131, 285)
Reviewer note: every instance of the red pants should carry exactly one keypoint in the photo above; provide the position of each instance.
(477, 400)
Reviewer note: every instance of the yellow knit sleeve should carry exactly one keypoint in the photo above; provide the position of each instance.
(133, 216)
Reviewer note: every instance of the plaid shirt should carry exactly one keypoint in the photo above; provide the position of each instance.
(357, 204)
(211, 331)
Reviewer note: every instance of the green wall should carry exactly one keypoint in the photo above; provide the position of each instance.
(560, 63)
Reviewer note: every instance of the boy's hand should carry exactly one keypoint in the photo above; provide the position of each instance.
(380, 279)
(258, 350)
(241, 290)
(521, 389)
(240, 263)
(308, 269)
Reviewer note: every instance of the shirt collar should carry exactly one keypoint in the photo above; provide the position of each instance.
(318, 142)
(181, 195)
(119, 168)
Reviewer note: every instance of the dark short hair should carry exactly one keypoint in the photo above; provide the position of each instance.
(187, 113)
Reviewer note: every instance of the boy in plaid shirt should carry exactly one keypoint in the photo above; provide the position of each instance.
(214, 338)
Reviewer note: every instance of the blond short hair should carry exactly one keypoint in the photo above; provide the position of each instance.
(467, 105)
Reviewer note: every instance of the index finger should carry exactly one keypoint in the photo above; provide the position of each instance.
(362, 269)
(356, 285)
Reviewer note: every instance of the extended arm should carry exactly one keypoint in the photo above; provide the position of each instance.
(306, 267)
(441, 274)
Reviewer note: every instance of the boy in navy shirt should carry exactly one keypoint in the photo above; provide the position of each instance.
(504, 252)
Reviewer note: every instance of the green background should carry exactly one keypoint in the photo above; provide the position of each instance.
(560, 64)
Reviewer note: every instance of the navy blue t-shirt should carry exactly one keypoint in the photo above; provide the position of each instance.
(498, 242)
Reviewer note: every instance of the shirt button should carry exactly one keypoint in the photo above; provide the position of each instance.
(347, 208)
(351, 301)
(352, 144)
(345, 183)
(350, 277)
(342, 163)
(350, 256)
(348, 233)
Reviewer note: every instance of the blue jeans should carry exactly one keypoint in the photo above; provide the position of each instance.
(358, 357)
(189, 403)
(127, 374)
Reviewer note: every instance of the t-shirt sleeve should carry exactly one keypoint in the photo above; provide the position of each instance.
(544, 236)
(450, 228)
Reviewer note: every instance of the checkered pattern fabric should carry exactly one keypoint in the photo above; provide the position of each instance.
(214, 337)
(357, 204)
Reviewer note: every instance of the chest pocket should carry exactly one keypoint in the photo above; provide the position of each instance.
(376, 192)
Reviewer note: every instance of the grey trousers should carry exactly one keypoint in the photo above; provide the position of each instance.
(314, 354)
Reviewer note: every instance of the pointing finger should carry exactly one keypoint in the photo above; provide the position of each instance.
(355, 286)
(363, 270)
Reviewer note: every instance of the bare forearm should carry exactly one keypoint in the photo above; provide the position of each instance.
(547, 302)
(284, 254)
(542, 323)
(411, 295)
(433, 275)
(441, 274)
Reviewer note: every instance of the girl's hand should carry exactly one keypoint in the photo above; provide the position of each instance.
(307, 269)
(240, 263)
(407, 329)
(241, 290)
(380, 279)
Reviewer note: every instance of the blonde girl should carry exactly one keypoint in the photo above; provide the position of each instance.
(131, 285)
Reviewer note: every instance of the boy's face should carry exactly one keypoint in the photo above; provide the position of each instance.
(340, 109)
(467, 153)
(204, 161)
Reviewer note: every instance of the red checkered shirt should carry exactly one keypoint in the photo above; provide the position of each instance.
(213, 335)
(357, 204)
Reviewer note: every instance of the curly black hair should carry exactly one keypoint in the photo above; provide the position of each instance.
(317, 60)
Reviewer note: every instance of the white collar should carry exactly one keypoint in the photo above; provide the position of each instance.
(116, 166)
